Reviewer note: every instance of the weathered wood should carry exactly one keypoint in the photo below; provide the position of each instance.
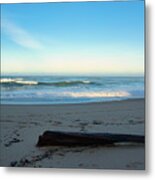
(53, 138)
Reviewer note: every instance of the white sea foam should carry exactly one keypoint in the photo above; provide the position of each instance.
(86, 82)
(27, 82)
(8, 80)
(85, 94)
(78, 95)
(18, 81)
(97, 94)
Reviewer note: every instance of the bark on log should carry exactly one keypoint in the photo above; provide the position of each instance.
(54, 138)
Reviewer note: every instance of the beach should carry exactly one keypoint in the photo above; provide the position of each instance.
(21, 126)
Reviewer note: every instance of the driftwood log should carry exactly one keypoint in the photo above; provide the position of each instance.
(55, 138)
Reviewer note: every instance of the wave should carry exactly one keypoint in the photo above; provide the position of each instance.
(69, 95)
(10, 80)
(97, 94)
(88, 94)
(20, 81)
(66, 83)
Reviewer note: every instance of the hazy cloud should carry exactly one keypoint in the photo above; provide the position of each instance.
(20, 36)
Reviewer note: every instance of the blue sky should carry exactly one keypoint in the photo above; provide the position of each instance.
(73, 38)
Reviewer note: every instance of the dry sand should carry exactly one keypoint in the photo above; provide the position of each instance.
(22, 124)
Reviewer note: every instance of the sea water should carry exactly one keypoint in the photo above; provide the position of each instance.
(68, 89)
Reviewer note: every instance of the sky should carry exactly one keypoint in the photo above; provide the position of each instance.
(73, 38)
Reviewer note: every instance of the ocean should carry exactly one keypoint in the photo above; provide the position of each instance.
(69, 89)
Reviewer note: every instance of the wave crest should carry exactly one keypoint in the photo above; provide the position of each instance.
(20, 81)
(66, 83)
(9, 80)
(27, 82)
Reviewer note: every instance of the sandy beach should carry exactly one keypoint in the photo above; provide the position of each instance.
(21, 126)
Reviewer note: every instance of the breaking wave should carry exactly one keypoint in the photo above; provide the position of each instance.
(20, 81)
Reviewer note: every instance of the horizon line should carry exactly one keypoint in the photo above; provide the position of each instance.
(71, 74)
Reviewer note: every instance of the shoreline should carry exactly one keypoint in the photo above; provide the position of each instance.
(80, 103)
(21, 126)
